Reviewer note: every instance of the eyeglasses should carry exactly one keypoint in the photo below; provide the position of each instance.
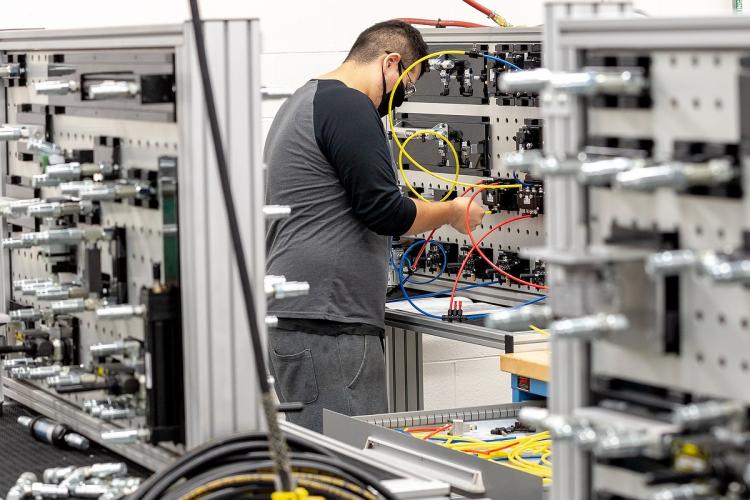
(410, 88)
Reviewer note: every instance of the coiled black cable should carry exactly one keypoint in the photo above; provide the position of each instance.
(249, 453)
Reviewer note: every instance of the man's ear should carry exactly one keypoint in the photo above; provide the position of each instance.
(393, 58)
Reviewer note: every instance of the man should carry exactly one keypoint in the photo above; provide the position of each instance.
(327, 158)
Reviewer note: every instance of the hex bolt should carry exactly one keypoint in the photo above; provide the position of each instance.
(110, 413)
(11, 133)
(708, 412)
(112, 89)
(119, 347)
(122, 311)
(76, 441)
(56, 474)
(49, 490)
(589, 327)
(685, 492)
(291, 289)
(520, 319)
(25, 315)
(273, 212)
(56, 87)
(670, 263)
(108, 469)
(126, 436)
(604, 171)
(89, 490)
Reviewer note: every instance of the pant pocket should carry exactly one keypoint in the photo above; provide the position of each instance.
(367, 389)
(295, 376)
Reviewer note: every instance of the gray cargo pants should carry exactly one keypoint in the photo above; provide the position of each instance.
(323, 364)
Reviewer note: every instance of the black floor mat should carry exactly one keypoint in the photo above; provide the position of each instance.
(19, 452)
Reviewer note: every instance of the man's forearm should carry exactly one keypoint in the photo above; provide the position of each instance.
(432, 215)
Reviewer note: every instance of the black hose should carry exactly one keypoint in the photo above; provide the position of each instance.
(298, 464)
(249, 452)
(276, 438)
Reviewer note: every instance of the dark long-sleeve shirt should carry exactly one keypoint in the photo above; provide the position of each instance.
(327, 158)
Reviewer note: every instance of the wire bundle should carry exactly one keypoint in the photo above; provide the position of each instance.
(241, 466)
(530, 454)
(453, 185)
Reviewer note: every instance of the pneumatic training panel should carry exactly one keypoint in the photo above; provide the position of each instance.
(90, 233)
(647, 125)
(459, 98)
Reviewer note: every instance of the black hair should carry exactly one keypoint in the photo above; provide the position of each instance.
(389, 36)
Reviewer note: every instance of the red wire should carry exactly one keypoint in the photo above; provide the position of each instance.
(476, 247)
(437, 431)
(492, 450)
(487, 260)
(424, 429)
(441, 23)
(481, 8)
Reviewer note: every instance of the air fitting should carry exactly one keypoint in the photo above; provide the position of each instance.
(589, 327)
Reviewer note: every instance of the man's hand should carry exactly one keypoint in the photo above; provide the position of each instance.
(476, 214)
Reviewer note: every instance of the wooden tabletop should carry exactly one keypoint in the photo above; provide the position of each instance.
(532, 364)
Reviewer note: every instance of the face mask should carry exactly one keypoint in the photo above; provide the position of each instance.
(398, 98)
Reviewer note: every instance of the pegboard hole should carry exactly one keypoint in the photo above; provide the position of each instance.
(694, 60)
(718, 104)
(744, 365)
(699, 357)
(673, 102)
(699, 315)
(717, 60)
(722, 361)
(722, 319)
(699, 230)
(744, 323)
(507, 120)
(696, 103)
(720, 233)
(516, 120)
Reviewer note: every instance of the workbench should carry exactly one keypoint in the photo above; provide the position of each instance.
(529, 374)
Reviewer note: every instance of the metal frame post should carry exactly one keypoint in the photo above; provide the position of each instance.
(220, 383)
(566, 234)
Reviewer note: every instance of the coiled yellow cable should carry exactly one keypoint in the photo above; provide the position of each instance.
(513, 450)
(401, 163)
(401, 146)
